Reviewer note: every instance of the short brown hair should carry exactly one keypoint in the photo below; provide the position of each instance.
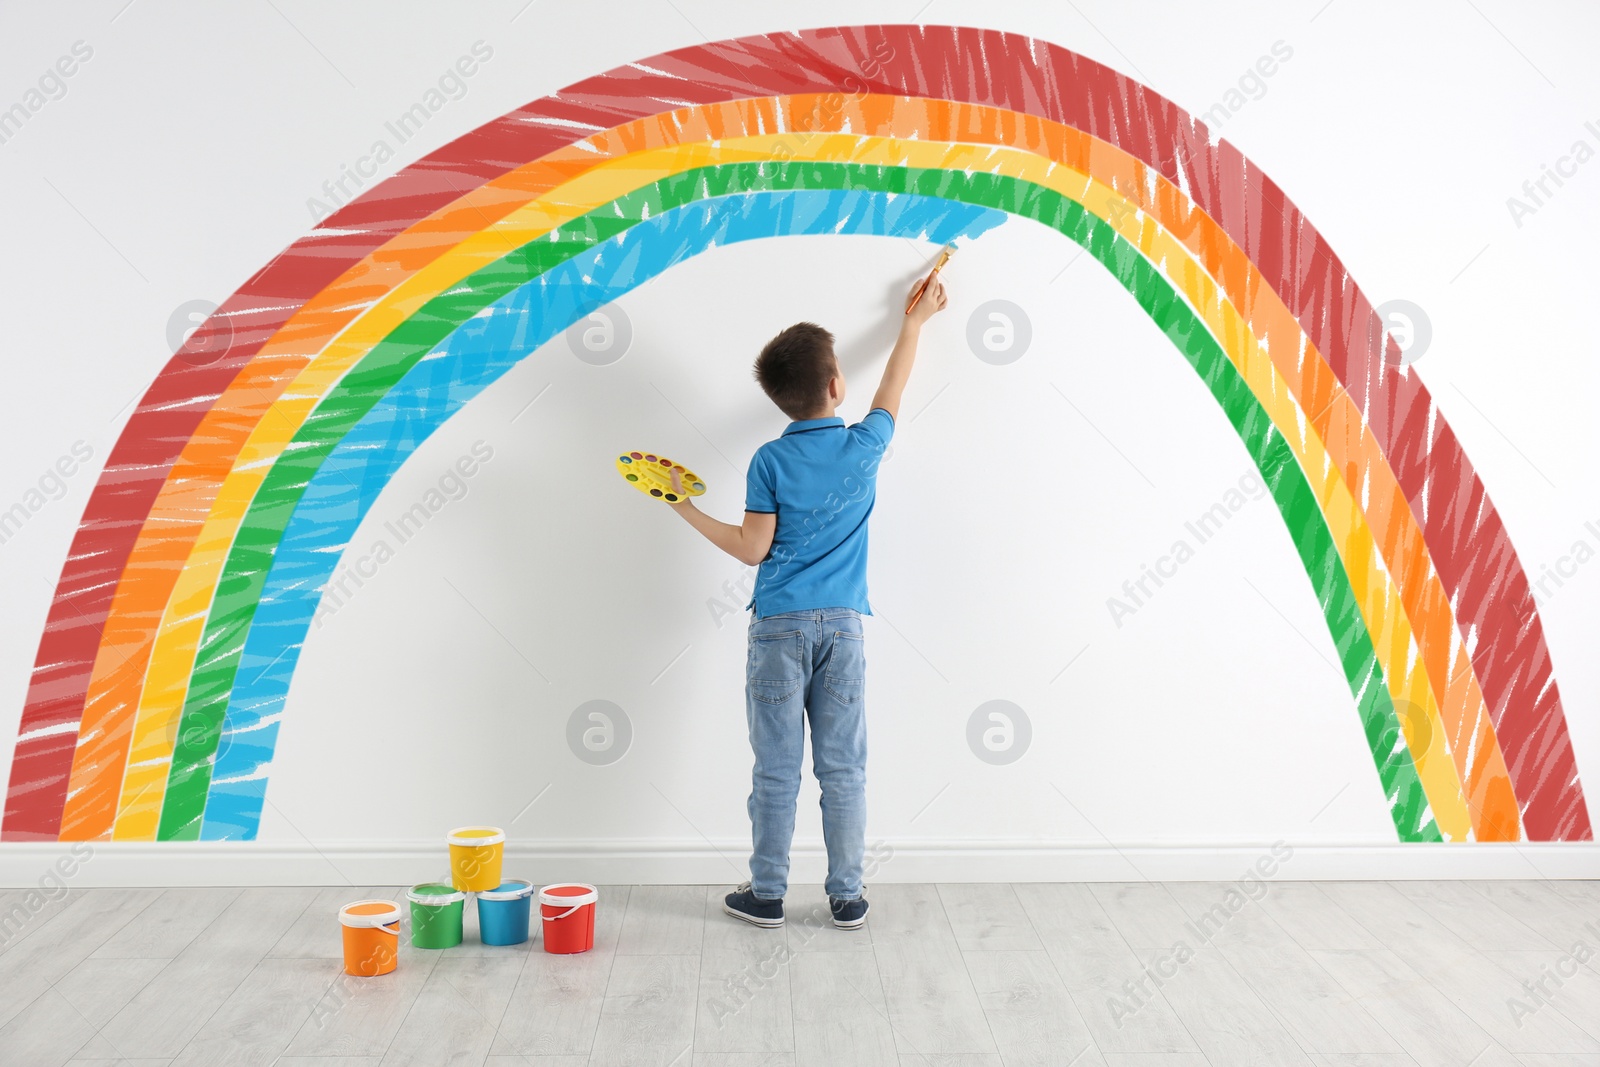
(795, 367)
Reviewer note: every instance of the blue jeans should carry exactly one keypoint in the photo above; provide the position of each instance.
(807, 664)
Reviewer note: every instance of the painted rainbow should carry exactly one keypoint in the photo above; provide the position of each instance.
(194, 576)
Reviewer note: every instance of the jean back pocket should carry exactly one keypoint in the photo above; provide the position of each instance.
(846, 675)
(774, 673)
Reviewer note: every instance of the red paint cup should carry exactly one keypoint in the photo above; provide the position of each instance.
(567, 911)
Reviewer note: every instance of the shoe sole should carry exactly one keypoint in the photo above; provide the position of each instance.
(753, 920)
(852, 924)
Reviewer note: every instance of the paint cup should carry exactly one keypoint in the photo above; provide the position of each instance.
(371, 937)
(567, 911)
(436, 911)
(475, 853)
(503, 912)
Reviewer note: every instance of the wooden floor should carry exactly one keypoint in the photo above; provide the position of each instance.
(1336, 974)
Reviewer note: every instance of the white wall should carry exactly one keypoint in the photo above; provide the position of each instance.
(181, 159)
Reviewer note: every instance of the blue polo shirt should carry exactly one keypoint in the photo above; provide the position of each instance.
(820, 478)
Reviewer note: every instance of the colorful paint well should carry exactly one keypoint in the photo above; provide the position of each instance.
(475, 856)
(653, 474)
(436, 915)
(566, 910)
(371, 931)
(504, 912)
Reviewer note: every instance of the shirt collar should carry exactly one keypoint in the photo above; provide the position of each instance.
(812, 424)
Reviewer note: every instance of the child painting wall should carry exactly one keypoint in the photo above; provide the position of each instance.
(1224, 512)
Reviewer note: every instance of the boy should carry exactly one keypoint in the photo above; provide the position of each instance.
(808, 495)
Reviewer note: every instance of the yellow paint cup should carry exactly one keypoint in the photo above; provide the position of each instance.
(475, 855)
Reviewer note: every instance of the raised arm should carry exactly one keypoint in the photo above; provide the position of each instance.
(898, 371)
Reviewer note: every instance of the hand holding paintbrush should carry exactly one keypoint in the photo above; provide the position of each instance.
(916, 296)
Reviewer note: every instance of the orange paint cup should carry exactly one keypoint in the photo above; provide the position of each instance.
(371, 937)
(475, 855)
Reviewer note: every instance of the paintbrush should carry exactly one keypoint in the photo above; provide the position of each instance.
(944, 257)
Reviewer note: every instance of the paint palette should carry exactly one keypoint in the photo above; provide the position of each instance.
(652, 474)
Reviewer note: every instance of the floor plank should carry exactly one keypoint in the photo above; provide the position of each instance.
(1118, 1001)
(1315, 921)
(1426, 1023)
(555, 1005)
(1031, 1016)
(1305, 998)
(1586, 891)
(840, 1016)
(1475, 918)
(257, 1022)
(648, 1017)
(932, 1005)
(1144, 913)
(663, 920)
(167, 1013)
(1471, 980)
(914, 911)
(360, 1016)
(45, 1032)
(1553, 978)
(1555, 915)
(743, 999)
(168, 925)
(1226, 1018)
(457, 1014)
(25, 911)
(63, 940)
(101, 988)
(988, 917)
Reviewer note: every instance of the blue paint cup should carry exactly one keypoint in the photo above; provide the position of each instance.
(503, 912)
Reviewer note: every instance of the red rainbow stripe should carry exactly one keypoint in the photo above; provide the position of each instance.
(1476, 562)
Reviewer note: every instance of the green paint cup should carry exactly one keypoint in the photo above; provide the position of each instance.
(436, 915)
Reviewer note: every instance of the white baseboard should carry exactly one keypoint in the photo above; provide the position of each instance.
(697, 861)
